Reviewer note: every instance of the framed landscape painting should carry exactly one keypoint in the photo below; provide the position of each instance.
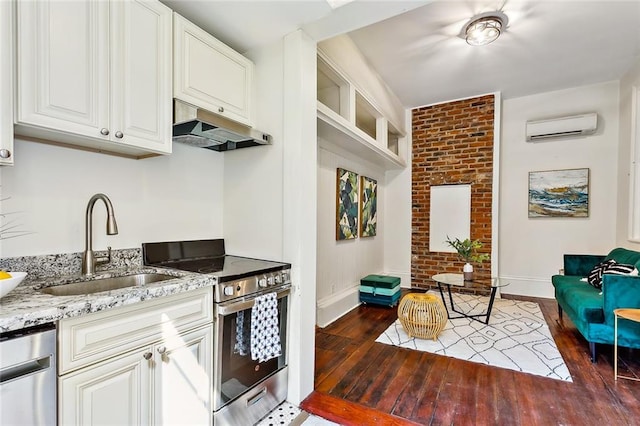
(368, 206)
(346, 205)
(559, 193)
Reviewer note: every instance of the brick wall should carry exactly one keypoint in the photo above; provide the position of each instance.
(452, 144)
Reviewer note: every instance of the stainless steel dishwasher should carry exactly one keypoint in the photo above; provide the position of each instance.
(28, 377)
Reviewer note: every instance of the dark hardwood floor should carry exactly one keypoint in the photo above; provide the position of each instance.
(360, 382)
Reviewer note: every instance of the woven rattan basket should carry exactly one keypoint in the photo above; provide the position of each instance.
(422, 315)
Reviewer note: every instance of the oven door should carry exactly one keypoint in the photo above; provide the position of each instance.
(235, 372)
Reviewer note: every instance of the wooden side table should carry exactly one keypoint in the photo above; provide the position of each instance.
(628, 314)
(422, 315)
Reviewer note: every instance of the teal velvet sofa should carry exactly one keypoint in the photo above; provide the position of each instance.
(591, 309)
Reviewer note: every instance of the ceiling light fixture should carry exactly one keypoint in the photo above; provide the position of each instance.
(483, 30)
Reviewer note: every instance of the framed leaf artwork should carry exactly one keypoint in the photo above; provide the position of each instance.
(346, 205)
(369, 206)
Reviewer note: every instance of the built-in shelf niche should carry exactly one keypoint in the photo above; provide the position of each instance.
(366, 117)
(393, 139)
(333, 89)
(348, 121)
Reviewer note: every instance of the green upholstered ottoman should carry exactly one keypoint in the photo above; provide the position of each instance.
(380, 290)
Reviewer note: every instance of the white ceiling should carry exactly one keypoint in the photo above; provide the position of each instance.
(415, 45)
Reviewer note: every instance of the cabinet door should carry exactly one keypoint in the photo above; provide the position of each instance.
(62, 65)
(141, 70)
(183, 379)
(115, 392)
(6, 86)
(211, 75)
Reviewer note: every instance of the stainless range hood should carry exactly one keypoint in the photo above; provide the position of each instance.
(201, 128)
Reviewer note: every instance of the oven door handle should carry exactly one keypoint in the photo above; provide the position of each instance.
(234, 306)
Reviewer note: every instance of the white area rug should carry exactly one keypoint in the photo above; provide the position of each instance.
(517, 337)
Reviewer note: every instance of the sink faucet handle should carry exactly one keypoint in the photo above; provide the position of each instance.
(101, 260)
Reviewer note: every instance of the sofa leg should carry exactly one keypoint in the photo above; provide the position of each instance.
(592, 348)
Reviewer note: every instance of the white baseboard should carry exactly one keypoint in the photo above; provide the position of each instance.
(405, 277)
(338, 304)
(333, 307)
(527, 286)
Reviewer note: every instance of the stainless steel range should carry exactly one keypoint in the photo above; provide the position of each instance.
(250, 378)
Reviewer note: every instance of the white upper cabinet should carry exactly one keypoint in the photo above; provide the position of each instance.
(6, 86)
(209, 74)
(141, 74)
(96, 74)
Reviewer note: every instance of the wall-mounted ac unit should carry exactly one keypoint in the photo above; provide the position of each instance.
(575, 125)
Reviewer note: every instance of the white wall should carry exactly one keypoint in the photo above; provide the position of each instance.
(161, 198)
(300, 205)
(629, 83)
(396, 220)
(254, 177)
(341, 264)
(531, 249)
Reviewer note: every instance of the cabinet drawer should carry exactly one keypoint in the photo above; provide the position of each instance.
(91, 338)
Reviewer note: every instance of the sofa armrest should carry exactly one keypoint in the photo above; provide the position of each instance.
(581, 264)
(619, 291)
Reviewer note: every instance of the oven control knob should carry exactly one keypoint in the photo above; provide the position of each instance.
(270, 280)
(228, 290)
(278, 278)
(262, 282)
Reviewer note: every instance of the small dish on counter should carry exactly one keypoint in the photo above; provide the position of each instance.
(8, 284)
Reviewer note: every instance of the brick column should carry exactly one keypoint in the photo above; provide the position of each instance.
(452, 144)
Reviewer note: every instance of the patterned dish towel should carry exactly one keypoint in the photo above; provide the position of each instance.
(265, 332)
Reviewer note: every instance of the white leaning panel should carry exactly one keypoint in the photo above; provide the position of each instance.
(449, 215)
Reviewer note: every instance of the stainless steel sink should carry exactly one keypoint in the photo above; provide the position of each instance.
(105, 284)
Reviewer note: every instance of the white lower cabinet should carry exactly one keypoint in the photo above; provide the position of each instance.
(168, 383)
(182, 379)
(148, 363)
(114, 392)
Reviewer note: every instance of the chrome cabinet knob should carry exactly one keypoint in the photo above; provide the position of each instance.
(147, 355)
(221, 109)
(119, 134)
(104, 131)
(5, 153)
(162, 350)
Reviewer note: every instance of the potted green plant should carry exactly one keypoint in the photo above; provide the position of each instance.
(468, 252)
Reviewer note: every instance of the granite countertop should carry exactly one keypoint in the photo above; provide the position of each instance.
(26, 305)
